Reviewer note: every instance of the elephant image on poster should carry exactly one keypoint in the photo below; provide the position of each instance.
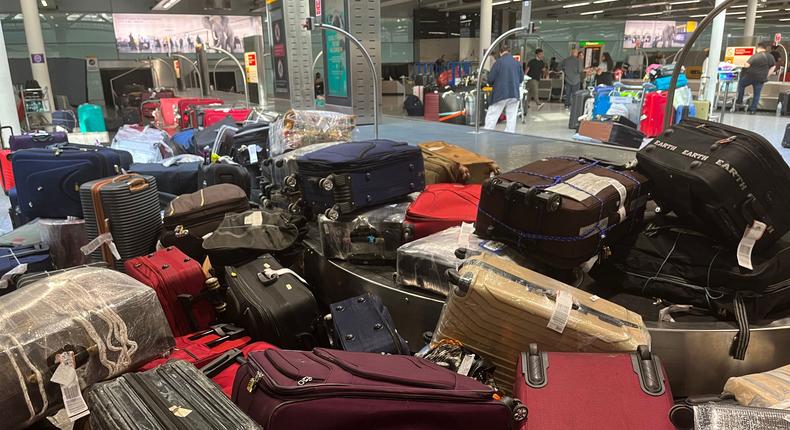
(222, 34)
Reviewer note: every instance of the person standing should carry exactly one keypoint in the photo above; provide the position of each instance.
(505, 76)
(535, 70)
(572, 68)
(755, 74)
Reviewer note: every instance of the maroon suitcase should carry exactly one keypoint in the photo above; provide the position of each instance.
(181, 286)
(359, 390)
(575, 390)
(560, 210)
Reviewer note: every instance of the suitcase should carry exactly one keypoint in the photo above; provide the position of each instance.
(184, 143)
(298, 128)
(154, 94)
(36, 140)
(452, 355)
(578, 100)
(206, 138)
(765, 390)
(110, 322)
(443, 206)
(346, 178)
(36, 257)
(524, 307)
(6, 171)
(189, 217)
(223, 369)
(181, 286)
(202, 347)
(64, 237)
(363, 324)
(173, 396)
(127, 207)
(272, 304)
(147, 145)
(28, 278)
(786, 139)
(91, 118)
(211, 116)
(431, 103)
(356, 390)
(474, 168)
(784, 99)
(52, 177)
(603, 100)
(451, 108)
(169, 112)
(64, 118)
(281, 172)
(176, 179)
(250, 145)
(371, 237)
(413, 106)
(223, 173)
(720, 178)
(148, 110)
(634, 384)
(653, 113)
(702, 109)
(186, 105)
(716, 416)
(131, 115)
(18, 219)
(611, 132)
(561, 210)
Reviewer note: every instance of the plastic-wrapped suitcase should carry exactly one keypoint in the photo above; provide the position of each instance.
(224, 173)
(578, 100)
(727, 181)
(611, 132)
(176, 179)
(562, 210)
(36, 140)
(25, 279)
(122, 217)
(173, 396)
(364, 324)
(273, 304)
(346, 178)
(111, 323)
(189, 217)
(371, 237)
(514, 307)
(180, 285)
(211, 116)
(442, 206)
(473, 168)
(765, 390)
(298, 128)
(723, 416)
(634, 384)
(356, 390)
(147, 144)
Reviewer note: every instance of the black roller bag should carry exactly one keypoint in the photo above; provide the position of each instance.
(364, 324)
(721, 179)
(176, 179)
(273, 304)
(224, 173)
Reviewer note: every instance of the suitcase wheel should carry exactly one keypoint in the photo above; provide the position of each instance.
(327, 184)
(518, 410)
(266, 203)
(212, 284)
(220, 307)
(290, 182)
(332, 213)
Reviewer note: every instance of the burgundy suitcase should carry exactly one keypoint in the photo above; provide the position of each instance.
(223, 369)
(561, 210)
(360, 390)
(181, 286)
(612, 391)
(443, 206)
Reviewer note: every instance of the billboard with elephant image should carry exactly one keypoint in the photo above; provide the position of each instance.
(165, 33)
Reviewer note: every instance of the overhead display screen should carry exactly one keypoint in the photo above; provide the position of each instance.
(657, 34)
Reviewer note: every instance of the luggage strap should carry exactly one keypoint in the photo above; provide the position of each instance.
(741, 340)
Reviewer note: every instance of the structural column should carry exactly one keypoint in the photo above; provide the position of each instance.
(486, 12)
(714, 57)
(35, 46)
(751, 17)
(8, 114)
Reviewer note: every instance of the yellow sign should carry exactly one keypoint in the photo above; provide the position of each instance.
(738, 55)
(251, 67)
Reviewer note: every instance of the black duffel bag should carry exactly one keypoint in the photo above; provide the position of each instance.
(413, 106)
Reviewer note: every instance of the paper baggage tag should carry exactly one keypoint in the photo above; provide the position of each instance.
(179, 411)
(587, 185)
(466, 231)
(66, 376)
(562, 312)
(493, 246)
(466, 364)
(99, 241)
(253, 151)
(752, 234)
(255, 218)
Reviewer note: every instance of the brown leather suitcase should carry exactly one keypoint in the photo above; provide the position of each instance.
(473, 168)
(561, 210)
(612, 132)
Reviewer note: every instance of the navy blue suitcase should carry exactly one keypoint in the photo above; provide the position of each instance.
(49, 179)
(343, 179)
(35, 256)
(177, 179)
(364, 324)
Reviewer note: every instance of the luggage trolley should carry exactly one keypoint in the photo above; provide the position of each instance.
(728, 76)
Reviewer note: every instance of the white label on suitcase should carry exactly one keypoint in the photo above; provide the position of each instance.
(586, 185)
(179, 411)
(99, 241)
(255, 218)
(464, 233)
(562, 311)
(752, 234)
(466, 364)
(66, 377)
(253, 150)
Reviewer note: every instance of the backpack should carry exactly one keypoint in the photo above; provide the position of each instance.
(413, 106)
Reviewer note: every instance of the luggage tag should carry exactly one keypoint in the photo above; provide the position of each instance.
(562, 311)
(99, 241)
(66, 376)
(752, 234)
(253, 151)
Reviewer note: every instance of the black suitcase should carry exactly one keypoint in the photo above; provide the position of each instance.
(273, 304)
(720, 178)
(578, 99)
(363, 324)
(222, 173)
(786, 139)
(173, 396)
(176, 179)
(612, 131)
(784, 99)
(413, 106)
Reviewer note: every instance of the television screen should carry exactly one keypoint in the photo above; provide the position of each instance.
(162, 33)
(656, 34)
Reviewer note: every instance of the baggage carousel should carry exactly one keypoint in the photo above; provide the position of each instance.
(695, 353)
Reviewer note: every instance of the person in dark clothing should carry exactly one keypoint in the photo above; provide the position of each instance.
(505, 76)
(318, 85)
(535, 70)
(755, 74)
(572, 68)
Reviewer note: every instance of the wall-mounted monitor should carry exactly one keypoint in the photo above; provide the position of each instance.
(163, 33)
(657, 34)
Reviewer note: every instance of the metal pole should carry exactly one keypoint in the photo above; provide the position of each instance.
(194, 69)
(784, 71)
(170, 66)
(112, 87)
(480, 70)
(315, 62)
(241, 69)
(376, 91)
(214, 72)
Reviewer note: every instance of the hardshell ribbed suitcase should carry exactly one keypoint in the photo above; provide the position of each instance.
(721, 178)
(514, 307)
(474, 168)
(173, 396)
(633, 384)
(111, 322)
(346, 178)
(364, 324)
(442, 206)
(6, 171)
(653, 113)
(561, 210)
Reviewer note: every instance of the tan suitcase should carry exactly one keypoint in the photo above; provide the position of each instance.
(474, 167)
(498, 308)
(763, 390)
(439, 170)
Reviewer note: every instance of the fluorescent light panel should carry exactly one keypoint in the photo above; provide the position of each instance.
(592, 12)
(651, 13)
(603, 1)
(165, 4)
(500, 3)
(685, 2)
(756, 17)
(568, 6)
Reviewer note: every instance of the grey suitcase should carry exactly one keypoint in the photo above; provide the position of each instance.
(578, 100)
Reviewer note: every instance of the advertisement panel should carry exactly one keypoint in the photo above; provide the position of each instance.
(657, 34)
(336, 48)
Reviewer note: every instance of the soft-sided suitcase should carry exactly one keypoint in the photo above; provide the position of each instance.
(202, 347)
(224, 173)
(356, 390)
(346, 178)
(65, 118)
(371, 237)
(653, 113)
(173, 396)
(364, 324)
(122, 217)
(442, 206)
(36, 140)
(6, 171)
(632, 384)
(183, 141)
(205, 138)
(189, 217)
(603, 100)
(474, 168)
(250, 144)
(186, 106)
(514, 307)
(111, 323)
(281, 172)
(726, 180)
(223, 369)
(578, 100)
(561, 210)
(36, 257)
(181, 286)
(273, 304)
(611, 132)
(211, 116)
(51, 177)
(176, 179)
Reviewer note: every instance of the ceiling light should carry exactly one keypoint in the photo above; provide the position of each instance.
(740, 6)
(685, 2)
(784, 19)
(44, 3)
(165, 4)
(736, 13)
(500, 2)
(769, 10)
(651, 14)
(698, 16)
(603, 1)
(593, 12)
(756, 17)
(568, 6)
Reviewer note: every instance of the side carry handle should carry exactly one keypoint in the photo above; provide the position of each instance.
(647, 367)
(534, 364)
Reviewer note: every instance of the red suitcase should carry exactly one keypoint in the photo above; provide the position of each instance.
(574, 390)
(168, 111)
(653, 113)
(443, 206)
(204, 346)
(147, 109)
(212, 116)
(181, 286)
(6, 173)
(223, 369)
(185, 105)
